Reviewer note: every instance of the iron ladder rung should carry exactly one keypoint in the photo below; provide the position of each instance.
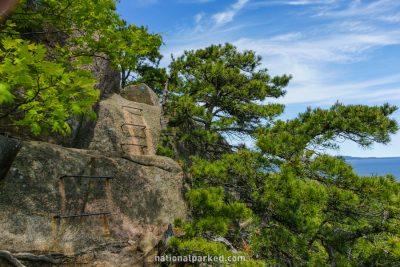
(128, 107)
(86, 177)
(136, 136)
(132, 108)
(124, 144)
(133, 124)
(81, 215)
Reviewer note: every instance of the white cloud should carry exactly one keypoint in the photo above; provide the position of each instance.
(226, 16)
(339, 48)
(313, 55)
(198, 18)
(292, 36)
(395, 18)
(306, 2)
(309, 59)
(293, 2)
(320, 93)
(358, 8)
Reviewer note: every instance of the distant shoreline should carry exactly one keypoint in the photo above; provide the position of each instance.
(375, 166)
(361, 158)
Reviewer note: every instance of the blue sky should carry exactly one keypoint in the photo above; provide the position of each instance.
(336, 50)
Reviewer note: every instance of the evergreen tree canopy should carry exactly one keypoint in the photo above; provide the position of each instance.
(219, 90)
(294, 204)
(319, 128)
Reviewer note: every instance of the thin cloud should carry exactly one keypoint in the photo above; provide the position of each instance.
(228, 15)
(306, 2)
(358, 8)
(391, 18)
(337, 48)
(293, 3)
(373, 90)
(198, 18)
(314, 54)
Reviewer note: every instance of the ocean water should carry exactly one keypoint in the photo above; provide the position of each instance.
(375, 166)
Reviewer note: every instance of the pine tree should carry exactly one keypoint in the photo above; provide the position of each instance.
(218, 91)
(287, 202)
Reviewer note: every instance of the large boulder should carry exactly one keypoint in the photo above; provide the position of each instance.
(126, 127)
(141, 93)
(143, 197)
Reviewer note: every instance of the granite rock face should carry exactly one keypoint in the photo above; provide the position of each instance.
(130, 194)
(141, 93)
(126, 127)
(143, 197)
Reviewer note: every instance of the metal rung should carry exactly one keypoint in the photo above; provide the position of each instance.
(134, 113)
(86, 176)
(134, 125)
(133, 145)
(81, 215)
(140, 109)
(136, 136)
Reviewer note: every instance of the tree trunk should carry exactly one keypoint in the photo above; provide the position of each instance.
(6, 6)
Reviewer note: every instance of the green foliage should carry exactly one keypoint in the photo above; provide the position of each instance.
(241, 173)
(325, 212)
(135, 52)
(320, 128)
(153, 76)
(202, 247)
(39, 93)
(212, 214)
(309, 213)
(82, 30)
(75, 29)
(219, 91)
(165, 151)
(45, 46)
(5, 96)
(305, 208)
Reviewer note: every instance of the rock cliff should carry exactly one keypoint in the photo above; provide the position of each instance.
(108, 205)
